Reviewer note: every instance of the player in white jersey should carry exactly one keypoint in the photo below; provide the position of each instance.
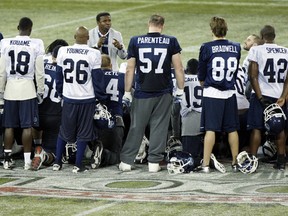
(80, 83)
(21, 61)
(191, 107)
(250, 41)
(268, 75)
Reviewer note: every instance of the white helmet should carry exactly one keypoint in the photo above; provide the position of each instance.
(247, 164)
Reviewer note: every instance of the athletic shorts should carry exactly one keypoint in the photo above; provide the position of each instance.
(77, 122)
(219, 115)
(21, 114)
(255, 118)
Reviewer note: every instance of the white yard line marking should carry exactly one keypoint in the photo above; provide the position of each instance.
(97, 209)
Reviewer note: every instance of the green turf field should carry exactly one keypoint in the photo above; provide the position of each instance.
(188, 20)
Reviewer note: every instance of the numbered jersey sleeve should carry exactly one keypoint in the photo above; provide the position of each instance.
(77, 63)
(153, 53)
(218, 64)
(193, 92)
(272, 63)
(20, 54)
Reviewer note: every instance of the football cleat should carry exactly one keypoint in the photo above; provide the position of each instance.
(38, 158)
(56, 167)
(77, 169)
(103, 118)
(125, 167)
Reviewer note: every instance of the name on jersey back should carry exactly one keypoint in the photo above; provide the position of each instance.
(276, 50)
(77, 51)
(156, 40)
(224, 48)
(19, 42)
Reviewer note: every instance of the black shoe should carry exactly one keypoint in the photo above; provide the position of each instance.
(79, 169)
(279, 166)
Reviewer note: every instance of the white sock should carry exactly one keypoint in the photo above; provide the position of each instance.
(27, 157)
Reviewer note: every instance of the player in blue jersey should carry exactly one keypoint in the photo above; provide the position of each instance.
(50, 111)
(80, 83)
(191, 107)
(217, 70)
(111, 138)
(21, 67)
(268, 76)
(150, 57)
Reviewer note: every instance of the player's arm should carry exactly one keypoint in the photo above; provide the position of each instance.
(130, 72)
(284, 94)
(253, 76)
(39, 74)
(3, 75)
(118, 43)
(179, 71)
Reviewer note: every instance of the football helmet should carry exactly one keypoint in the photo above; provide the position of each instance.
(103, 118)
(274, 119)
(247, 164)
(181, 162)
(173, 145)
(70, 153)
(269, 149)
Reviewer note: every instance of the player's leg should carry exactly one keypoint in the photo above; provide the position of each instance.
(159, 121)
(140, 112)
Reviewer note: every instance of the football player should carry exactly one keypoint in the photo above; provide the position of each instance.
(49, 111)
(151, 55)
(80, 82)
(217, 70)
(268, 64)
(21, 61)
(111, 138)
(191, 107)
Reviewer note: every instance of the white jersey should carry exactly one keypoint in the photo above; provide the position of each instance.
(240, 86)
(77, 63)
(272, 61)
(22, 59)
(193, 92)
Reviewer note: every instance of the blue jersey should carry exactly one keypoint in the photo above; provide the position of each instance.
(52, 102)
(153, 53)
(114, 85)
(218, 64)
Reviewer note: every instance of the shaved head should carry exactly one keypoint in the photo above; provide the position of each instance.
(81, 35)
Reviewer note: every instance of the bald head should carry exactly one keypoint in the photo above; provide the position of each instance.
(81, 35)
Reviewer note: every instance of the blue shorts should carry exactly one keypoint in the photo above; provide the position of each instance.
(77, 122)
(219, 115)
(21, 114)
(255, 118)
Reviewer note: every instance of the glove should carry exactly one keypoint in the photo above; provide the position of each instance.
(40, 98)
(178, 95)
(265, 102)
(184, 112)
(127, 100)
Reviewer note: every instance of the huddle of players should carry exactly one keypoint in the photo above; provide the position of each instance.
(190, 106)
